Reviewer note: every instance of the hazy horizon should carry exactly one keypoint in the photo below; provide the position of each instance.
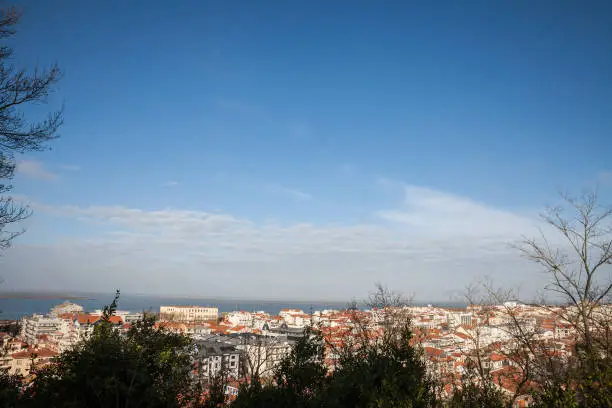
(75, 296)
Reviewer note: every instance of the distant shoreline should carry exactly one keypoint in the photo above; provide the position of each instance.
(61, 296)
(25, 295)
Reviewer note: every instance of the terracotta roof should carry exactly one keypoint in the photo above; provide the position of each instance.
(434, 351)
(87, 319)
(91, 319)
(497, 357)
(40, 353)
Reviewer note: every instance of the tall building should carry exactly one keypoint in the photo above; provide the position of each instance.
(188, 313)
(32, 327)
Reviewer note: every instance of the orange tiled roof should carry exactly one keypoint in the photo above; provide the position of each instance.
(40, 353)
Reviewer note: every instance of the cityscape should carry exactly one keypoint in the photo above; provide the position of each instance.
(306, 204)
(241, 342)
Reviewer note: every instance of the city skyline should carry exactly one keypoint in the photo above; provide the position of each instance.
(303, 151)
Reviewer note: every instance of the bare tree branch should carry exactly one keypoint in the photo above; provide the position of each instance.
(19, 88)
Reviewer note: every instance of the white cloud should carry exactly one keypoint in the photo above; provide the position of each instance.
(35, 169)
(437, 213)
(434, 244)
(170, 183)
(279, 190)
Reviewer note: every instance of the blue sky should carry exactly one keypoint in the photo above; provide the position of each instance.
(340, 116)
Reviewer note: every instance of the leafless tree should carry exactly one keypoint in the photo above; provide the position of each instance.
(261, 354)
(385, 323)
(578, 269)
(19, 88)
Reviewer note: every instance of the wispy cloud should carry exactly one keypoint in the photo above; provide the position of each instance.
(70, 167)
(431, 243)
(279, 190)
(171, 183)
(35, 169)
(432, 212)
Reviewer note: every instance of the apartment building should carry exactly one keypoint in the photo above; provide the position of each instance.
(32, 327)
(212, 357)
(21, 362)
(262, 354)
(188, 313)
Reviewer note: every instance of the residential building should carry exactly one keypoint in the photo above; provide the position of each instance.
(21, 362)
(211, 357)
(263, 353)
(188, 313)
(66, 307)
(36, 325)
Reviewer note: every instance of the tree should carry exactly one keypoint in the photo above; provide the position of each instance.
(213, 389)
(10, 394)
(20, 88)
(577, 270)
(147, 366)
(299, 380)
(378, 365)
(479, 385)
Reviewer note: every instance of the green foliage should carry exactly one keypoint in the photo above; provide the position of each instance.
(299, 380)
(145, 367)
(10, 395)
(556, 397)
(215, 396)
(472, 396)
(589, 390)
(385, 374)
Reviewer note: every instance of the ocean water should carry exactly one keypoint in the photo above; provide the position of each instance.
(12, 308)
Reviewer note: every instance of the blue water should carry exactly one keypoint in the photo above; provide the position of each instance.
(14, 308)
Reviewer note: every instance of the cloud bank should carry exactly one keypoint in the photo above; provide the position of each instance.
(432, 245)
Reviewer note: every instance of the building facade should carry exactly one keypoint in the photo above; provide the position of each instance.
(213, 357)
(32, 327)
(188, 313)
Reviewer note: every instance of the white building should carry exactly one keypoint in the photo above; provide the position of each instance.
(240, 318)
(32, 327)
(262, 354)
(66, 307)
(188, 313)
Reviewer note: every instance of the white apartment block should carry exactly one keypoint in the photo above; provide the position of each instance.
(37, 325)
(188, 313)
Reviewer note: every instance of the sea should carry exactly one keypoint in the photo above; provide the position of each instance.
(13, 307)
